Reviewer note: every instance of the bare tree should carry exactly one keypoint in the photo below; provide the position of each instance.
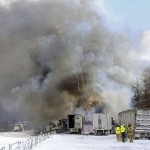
(137, 89)
(141, 90)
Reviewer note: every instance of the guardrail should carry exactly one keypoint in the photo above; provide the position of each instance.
(27, 144)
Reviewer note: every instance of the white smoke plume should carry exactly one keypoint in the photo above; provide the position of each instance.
(54, 53)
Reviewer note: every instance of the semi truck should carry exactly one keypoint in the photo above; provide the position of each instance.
(17, 128)
(75, 123)
(102, 124)
(139, 119)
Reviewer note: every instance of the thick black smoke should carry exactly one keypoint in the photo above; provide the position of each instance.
(56, 52)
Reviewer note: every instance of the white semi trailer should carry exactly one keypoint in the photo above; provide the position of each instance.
(139, 119)
(75, 123)
(102, 124)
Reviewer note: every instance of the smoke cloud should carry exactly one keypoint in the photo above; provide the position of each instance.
(57, 54)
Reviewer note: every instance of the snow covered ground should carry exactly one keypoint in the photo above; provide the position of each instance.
(79, 142)
(83, 142)
(12, 137)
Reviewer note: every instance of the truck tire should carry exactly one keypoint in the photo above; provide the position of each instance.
(107, 133)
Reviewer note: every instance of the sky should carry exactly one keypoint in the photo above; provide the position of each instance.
(131, 14)
(82, 142)
(131, 17)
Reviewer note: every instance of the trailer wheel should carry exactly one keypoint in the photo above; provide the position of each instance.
(136, 138)
(107, 133)
(98, 133)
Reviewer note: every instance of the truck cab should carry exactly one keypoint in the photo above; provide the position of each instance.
(17, 128)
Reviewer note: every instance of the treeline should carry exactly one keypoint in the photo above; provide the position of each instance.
(141, 90)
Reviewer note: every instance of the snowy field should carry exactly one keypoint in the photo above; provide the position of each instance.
(12, 137)
(83, 142)
(79, 142)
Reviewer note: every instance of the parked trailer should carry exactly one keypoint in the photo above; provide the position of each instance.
(75, 123)
(139, 119)
(102, 124)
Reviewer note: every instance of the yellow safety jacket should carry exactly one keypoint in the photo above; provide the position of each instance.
(122, 129)
(117, 130)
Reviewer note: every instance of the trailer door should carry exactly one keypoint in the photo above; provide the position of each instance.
(71, 121)
(78, 121)
(104, 121)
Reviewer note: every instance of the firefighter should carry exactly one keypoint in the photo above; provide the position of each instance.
(130, 133)
(117, 131)
(123, 132)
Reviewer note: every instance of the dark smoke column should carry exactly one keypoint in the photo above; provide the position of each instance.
(58, 54)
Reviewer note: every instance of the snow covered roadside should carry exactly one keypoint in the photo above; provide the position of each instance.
(87, 142)
(20, 140)
(76, 142)
(12, 137)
